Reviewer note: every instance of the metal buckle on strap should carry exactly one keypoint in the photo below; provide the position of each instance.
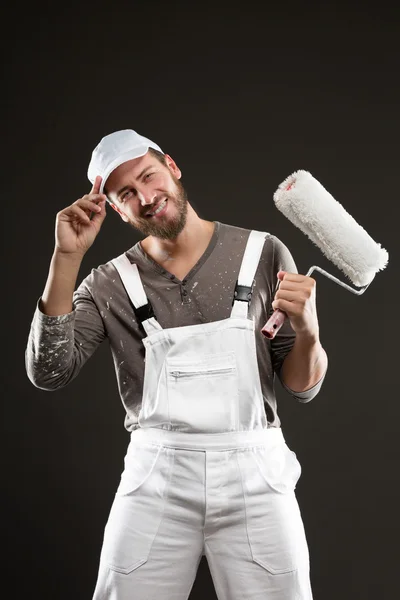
(144, 312)
(242, 293)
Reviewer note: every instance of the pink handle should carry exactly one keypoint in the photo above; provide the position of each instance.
(274, 323)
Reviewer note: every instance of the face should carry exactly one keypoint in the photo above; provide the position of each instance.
(141, 186)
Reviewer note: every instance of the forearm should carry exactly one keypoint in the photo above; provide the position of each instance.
(58, 293)
(305, 364)
(59, 345)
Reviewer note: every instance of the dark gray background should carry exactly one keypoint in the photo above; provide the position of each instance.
(240, 98)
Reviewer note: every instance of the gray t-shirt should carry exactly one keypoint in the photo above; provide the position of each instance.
(59, 346)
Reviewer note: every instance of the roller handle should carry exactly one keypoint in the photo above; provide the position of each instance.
(277, 319)
(274, 323)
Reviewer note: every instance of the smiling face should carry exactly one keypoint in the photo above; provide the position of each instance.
(149, 196)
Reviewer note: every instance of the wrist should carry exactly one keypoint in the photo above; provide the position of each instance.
(72, 258)
(308, 338)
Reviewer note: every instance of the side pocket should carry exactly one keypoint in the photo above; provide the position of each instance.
(138, 508)
(280, 468)
(139, 464)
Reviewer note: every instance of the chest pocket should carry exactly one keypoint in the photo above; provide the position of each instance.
(203, 393)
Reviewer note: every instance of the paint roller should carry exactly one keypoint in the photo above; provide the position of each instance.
(311, 208)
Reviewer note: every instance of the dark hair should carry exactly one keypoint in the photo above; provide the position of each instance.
(158, 155)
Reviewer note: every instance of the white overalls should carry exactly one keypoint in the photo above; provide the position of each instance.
(204, 475)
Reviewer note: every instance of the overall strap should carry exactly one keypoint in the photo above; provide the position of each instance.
(134, 288)
(244, 284)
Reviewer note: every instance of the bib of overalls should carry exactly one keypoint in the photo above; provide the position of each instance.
(201, 378)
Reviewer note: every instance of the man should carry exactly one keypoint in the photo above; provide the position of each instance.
(207, 470)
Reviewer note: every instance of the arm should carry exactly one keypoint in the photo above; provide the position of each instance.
(75, 233)
(305, 365)
(307, 362)
(58, 292)
(65, 333)
(59, 346)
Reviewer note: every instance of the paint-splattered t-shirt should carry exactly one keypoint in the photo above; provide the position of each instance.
(59, 346)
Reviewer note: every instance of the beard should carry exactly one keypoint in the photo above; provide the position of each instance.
(166, 228)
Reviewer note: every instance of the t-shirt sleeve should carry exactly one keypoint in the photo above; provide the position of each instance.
(59, 346)
(284, 340)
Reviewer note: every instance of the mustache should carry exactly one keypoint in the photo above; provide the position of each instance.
(156, 204)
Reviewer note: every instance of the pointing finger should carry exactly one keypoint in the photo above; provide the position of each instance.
(96, 185)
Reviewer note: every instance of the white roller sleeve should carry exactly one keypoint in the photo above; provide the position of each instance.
(311, 208)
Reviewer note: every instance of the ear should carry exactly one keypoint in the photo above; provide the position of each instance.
(119, 211)
(173, 167)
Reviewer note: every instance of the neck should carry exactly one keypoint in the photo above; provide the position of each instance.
(196, 234)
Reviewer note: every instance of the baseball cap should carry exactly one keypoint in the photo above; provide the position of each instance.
(115, 149)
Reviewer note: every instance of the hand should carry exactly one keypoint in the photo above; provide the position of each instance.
(75, 230)
(296, 297)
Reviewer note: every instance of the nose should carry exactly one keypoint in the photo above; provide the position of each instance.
(147, 198)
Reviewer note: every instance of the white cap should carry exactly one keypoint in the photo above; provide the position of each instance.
(115, 149)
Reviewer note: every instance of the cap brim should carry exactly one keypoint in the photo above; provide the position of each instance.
(130, 155)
